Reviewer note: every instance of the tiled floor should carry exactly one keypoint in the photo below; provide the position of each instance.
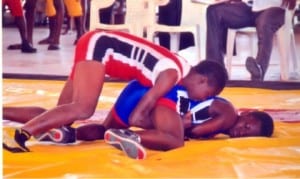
(43, 62)
(58, 63)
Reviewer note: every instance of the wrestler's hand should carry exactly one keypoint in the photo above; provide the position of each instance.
(290, 4)
(140, 117)
(187, 120)
(164, 83)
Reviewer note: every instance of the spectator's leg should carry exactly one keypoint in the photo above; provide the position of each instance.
(267, 23)
(29, 15)
(17, 12)
(57, 20)
(220, 17)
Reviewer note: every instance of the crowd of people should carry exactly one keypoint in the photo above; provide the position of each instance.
(55, 12)
(169, 99)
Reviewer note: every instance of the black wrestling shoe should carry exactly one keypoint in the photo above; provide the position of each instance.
(63, 135)
(254, 69)
(127, 141)
(16, 144)
(26, 47)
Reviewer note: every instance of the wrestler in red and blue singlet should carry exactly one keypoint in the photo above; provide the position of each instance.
(128, 57)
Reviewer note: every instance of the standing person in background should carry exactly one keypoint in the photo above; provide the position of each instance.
(266, 15)
(85, 7)
(170, 14)
(55, 12)
(16, 9)
(75, 10)
(29, 7)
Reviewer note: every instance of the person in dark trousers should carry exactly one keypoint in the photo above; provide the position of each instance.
(266, 16)
(15, 7)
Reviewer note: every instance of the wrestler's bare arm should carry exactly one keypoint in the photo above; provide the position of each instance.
(224, 117)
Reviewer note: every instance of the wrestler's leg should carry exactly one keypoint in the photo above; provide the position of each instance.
(29, 15)
(87, 82)
(66, 94)
(21, 114)
(24, 114)
(168, 132)
(90, 132)
(95, 131)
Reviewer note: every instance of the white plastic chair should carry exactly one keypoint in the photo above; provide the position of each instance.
(134, 18)
(189, 23)
(285, 40)
(95, 6)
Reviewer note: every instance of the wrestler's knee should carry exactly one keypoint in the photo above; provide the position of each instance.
(83, 111)
(176, 143)
(171, 142)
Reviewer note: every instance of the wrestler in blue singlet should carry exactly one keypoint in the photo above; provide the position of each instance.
(176, 99)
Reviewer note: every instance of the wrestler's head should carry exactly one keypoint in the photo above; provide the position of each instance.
(254, 123)
(205, 80)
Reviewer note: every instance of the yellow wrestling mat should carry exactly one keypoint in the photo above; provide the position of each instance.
(255, 157)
